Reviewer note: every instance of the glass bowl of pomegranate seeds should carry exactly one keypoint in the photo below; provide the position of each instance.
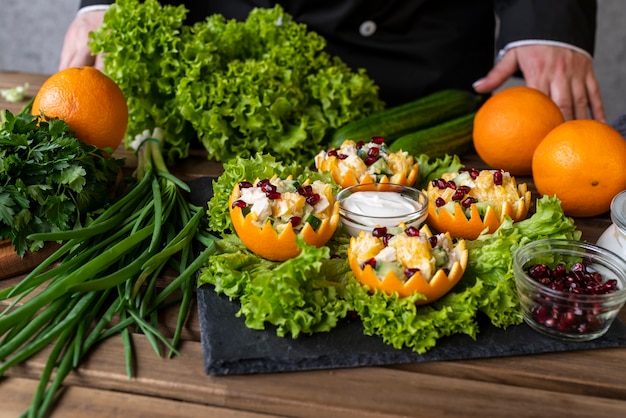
(370, 205)
(568, 289)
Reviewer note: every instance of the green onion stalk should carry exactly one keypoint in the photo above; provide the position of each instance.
(102, 280)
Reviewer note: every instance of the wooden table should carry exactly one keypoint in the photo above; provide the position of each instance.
(580, 383)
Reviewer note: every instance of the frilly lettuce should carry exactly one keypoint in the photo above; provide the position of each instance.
(491, 257)
(263, 84)
(312, 292)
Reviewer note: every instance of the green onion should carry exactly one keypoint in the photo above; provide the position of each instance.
(104, 270)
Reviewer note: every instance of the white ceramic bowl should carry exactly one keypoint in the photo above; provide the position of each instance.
(366, 206)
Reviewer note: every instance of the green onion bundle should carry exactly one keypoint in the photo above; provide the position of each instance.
(102, 281)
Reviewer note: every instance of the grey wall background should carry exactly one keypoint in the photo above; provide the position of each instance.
(32, 31)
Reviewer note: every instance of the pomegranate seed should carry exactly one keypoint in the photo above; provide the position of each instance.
(412, 231)
(305, 190)
(379, 232)
(409, 272)
(239, 204)
(295, 220)
(312, 199)
(342, 156)
(332, 153)
(268, 187)
(360, 144)
(379, 140)
(433, 241)
(386, 239)
(469, 201)
(370, 160)
(440, 184)
(261, 183)
(497, 178)
(373, 152)
(371, 262)
(439, 202)
(244, 184)
(458, 195)
(451, 185)
(273, 195)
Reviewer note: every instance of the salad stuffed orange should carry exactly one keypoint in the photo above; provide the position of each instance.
(405, 260)
(367, 162)
(268, 214)
(468, 202)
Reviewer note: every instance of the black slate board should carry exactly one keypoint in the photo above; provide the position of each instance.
(231, 348)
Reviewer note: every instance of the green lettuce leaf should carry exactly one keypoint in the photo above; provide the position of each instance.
(433, 168)
(293, 296)
(239, 87)
(491, 257)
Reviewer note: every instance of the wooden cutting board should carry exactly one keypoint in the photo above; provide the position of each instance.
(12, 265)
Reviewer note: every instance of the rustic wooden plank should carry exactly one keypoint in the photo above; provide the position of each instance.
(16, 395)
(361, 392)
(11, 79)
(587, 372)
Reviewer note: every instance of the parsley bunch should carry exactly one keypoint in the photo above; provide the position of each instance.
(49, 180)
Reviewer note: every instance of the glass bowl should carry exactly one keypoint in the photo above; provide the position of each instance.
(366, 206)
(562, 304)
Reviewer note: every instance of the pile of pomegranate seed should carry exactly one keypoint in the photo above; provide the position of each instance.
(573, 315)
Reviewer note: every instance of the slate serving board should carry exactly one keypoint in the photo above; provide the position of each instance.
(231, 348)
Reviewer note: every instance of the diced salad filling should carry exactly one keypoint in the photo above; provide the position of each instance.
(405, 251)
(373, 158)
(484, 188)
(285, 201)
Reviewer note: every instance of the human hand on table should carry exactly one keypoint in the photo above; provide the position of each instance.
(564, 74)
(76, 51)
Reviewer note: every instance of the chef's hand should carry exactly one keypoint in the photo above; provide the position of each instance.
(564, 74)
(75, 51)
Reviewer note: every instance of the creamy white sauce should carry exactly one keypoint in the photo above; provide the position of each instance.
(380, 204)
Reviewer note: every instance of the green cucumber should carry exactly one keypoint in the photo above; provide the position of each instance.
(394, 122)
(450, 137)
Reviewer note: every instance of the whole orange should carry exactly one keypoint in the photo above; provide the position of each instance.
(583, 163)
(509, 126)
(90, 102)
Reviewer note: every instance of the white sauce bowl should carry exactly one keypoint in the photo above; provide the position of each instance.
(366, 206)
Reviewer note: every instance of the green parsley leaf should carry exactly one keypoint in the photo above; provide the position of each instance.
(49, 180)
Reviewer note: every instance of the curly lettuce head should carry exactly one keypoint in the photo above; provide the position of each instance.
(265, 84)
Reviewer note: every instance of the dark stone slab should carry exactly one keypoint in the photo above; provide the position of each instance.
(231, 348)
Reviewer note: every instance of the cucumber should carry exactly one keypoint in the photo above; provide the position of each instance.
(394, 122)
(450, 137)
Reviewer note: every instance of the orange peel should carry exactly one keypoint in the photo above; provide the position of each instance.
(459, 225)
(440, 284)
(266, 242)
(347, 177)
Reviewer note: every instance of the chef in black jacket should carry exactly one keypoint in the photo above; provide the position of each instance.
(414, 47)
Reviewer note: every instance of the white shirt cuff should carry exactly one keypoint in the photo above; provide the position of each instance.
(93, 8)
(512, 45)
